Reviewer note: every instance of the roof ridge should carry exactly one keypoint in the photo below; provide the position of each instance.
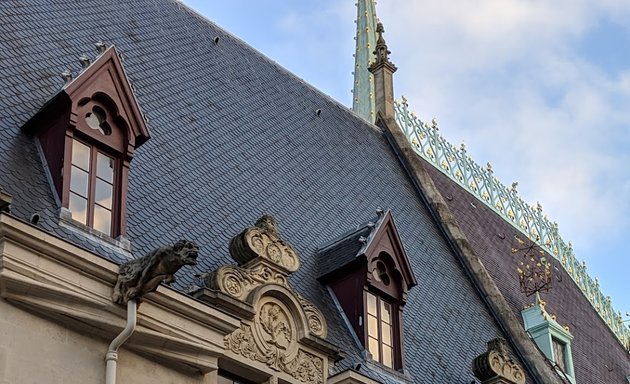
(504, 201)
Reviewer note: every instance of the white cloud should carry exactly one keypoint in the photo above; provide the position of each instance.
(505, 77)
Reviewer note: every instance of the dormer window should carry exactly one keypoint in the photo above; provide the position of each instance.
(88, 133)
(369, 274)
(552, 339)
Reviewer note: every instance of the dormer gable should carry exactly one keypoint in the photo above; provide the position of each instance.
(88, 133)
(369, 274)
(384, 245)
(375, 247)
(105, 83)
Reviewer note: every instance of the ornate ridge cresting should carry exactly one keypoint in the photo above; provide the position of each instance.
(481, 183)
(496, 366)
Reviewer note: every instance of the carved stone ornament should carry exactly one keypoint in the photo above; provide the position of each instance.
(496, 367)
(238, 282)
(314, 317)
(272, 340)
(138, 277)
(263, 241)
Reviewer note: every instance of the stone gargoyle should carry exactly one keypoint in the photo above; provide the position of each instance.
(138, 277)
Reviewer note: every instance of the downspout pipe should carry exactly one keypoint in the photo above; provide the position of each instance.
(111, 358)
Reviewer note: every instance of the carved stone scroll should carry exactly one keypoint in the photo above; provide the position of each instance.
(239, 282)
(280, 334)
(495, 366)
(263, 241)
(141, 276)
(315, 319)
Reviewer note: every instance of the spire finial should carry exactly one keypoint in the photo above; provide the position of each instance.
(381, 52)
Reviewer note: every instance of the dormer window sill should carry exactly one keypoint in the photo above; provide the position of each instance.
(399, 376)
(119, 244)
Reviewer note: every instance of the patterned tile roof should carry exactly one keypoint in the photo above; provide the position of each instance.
(234, 136)
(598, 357)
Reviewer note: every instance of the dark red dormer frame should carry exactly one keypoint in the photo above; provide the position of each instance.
(350, 282)
(103, 84)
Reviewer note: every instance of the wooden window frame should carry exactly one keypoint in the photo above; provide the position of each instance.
(394, 332)
(95, 150)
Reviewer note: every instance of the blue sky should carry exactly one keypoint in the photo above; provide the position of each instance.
(538, 88)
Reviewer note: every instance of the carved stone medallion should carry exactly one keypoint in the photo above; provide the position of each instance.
(272, 340)
(275, 332)
(314, 317)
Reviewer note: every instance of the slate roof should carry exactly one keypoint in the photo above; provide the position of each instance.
(598, 357)
(234, 136)
(344, 249)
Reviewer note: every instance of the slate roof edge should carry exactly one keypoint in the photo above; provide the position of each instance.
(491, 295)
(279, 67)
(341, 239)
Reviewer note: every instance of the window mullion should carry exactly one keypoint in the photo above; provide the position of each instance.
(379, 318)
(92, 187)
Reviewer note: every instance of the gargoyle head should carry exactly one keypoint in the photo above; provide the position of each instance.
(187, 251)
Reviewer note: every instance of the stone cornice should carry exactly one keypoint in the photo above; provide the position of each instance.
(66, 284)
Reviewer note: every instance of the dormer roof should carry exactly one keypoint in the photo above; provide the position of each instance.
(365, 244)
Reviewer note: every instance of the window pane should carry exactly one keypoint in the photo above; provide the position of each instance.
(372, 326)
(371, 304)
(103, 194)
(78, 207)
(79, 181)
(373, 348)
(387, 356)
(558, 352)
(102, 219)
(386, 315)
(386, 331)
(80, 155)
(104, 167)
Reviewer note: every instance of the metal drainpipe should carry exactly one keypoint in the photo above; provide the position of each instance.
(111, 357)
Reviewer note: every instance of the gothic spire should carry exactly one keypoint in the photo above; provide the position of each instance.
(381, 52)
(363, 92)
(383, 70)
